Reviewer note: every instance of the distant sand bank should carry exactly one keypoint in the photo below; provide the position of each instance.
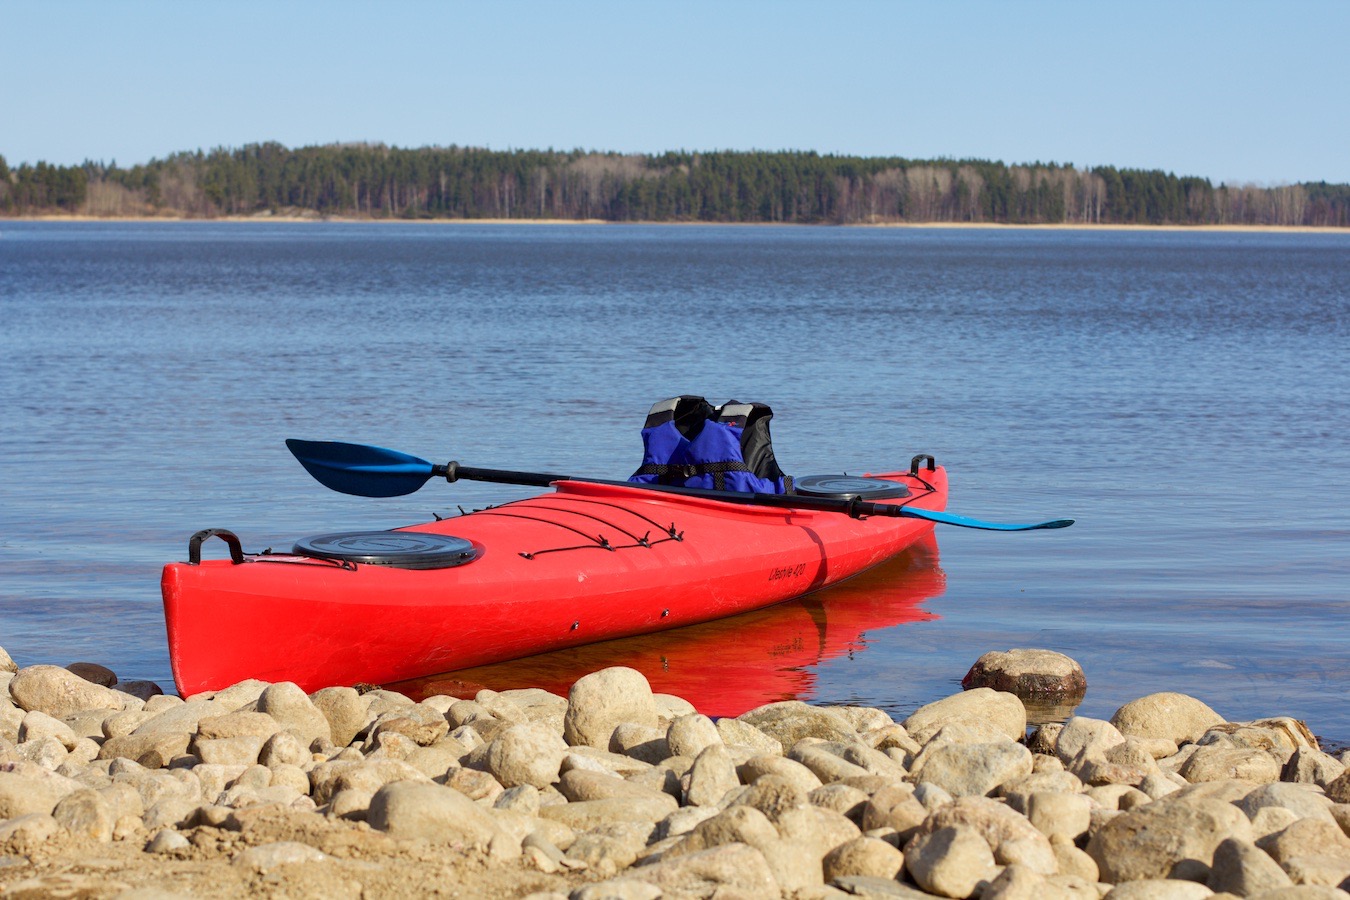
(944, 225)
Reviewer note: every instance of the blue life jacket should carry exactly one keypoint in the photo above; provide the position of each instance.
(688, 442)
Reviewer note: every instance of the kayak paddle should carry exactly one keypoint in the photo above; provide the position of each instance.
(368, 471)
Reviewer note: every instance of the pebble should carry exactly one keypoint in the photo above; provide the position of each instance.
(167, 841)
(632, 794)
(279, 853)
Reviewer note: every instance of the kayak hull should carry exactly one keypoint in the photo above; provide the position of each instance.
(586, 563)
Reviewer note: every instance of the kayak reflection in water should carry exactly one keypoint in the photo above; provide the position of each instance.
(729, 666)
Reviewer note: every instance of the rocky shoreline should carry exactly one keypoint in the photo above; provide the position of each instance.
(118, 791)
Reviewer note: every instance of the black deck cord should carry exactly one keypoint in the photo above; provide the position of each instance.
(931, 489)
(668, 529)
(573, 512)
(599, 540)
(643, 541)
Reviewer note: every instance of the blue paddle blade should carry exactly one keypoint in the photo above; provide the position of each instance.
(966, 522)
(361, 469)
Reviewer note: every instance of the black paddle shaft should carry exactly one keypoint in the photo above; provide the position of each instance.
(453, 472)
(852, 506)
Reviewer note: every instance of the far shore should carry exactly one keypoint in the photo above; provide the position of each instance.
(1066, 226)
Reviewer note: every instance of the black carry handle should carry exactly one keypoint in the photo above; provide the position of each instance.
(229, 537)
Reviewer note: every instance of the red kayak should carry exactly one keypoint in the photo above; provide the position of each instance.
(586, 562)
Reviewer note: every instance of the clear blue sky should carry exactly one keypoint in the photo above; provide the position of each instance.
(1234, 91)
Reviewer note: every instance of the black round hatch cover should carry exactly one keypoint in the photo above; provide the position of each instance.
(400, 549)
(843, 487)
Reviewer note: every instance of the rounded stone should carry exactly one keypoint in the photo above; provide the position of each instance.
(1159, 889)
(93, 672)
(863, 856)
(526, 754)
(279, 853)
(289, 705)
(38, 724)
(692, 734)
(142, 690)
(6, 663)
(894, 807)
(1177, 717)
(1338, 791)
(757, 767)
(600, 701)
(85, 814)
(409, 809)
(978, 707)
(1218, 763)
(711, 776)
(965, 770)
(788, 721)
(1082, 734)
(1028, 673)
(951, 861)
(344, 710)
(1057, 812)
(59, 692)
(1166, 839)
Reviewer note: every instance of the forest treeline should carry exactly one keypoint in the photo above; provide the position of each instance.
(380, 182)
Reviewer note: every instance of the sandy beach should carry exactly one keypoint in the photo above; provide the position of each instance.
(315, 217)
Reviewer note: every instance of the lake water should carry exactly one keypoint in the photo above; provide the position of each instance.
(1182, 394)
